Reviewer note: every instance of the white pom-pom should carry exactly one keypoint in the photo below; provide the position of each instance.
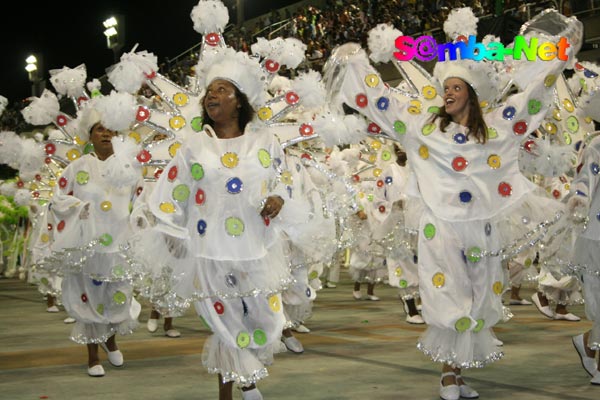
(10, 147)
(310, 89)
(293, 52)
(357, 128)
(130, 73)
(69, 81)
(3, 104)
(42, 110)
(94, 85)
(279, 85)
(209, 16)
(336, 129)
(461, 21)
(38, 136)
(31, 158)
(123, 169)
(117, 110)
(547, 158)
(382, 42)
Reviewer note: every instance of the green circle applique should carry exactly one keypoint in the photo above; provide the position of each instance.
(427, 129)
(474, 254)
(386, 155)
(118, 271)
(463, 324)
(433, 110)
(479, 326)
(88, 148)
(82, 177)
(181, 193)
(234, 226)
(534, 106)
(264, 158)
(197, 171)
(197, 123)
(100, 309)
(260, 337)
(313, 275)
(429, 231)
(572, 124)
(106, 240)
(119, 298)
(492, 133)
(400, 127)
(403, 283)
(44, 281)
(243, 340)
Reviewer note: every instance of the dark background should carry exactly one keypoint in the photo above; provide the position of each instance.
(69, 33)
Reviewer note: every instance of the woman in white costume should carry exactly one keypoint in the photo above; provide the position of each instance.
(465, 164)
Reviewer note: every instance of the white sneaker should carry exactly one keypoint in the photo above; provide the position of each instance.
(357, 295)
(293, 344)
(114, 357)
(415, 319)
(52, 309)
(253, 394)
(301, 329)
(152, 325)
(96, 371)
(69, 320)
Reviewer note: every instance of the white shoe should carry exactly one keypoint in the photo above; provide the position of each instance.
(293, 344)
(330, 285)
(52, 309)
(497, 342)
(69, 320)
(466, 391)
(372, 297)
(567, 317)
(301, 329)
(253, 394)
(450, 392)
(596, 379)
(545, 309)
(173, 333)
(152, 325)
(589, 363)
(114, 357)
(96, 371)
(522, 302)
(415, 319)
(357, 295)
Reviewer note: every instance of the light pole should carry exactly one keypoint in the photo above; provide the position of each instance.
(114, 30)
(34, 66)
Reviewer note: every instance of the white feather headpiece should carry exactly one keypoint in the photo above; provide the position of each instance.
(460, 21)
(382, 42)
(69, 81)
(132, 71)
(209, 16)
(42, 110)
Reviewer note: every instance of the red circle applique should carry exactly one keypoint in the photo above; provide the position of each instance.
(520, 127)
(271, 66)
(374, 128)
(212, 39)
(60, 226)
(361, 100)
(291, 98)
(61, 120)
(142, 114)
(459, 163)
(504, 189)
(306, 130)
(50, 148)
(62, 182)
(144, 156)
(172, 173)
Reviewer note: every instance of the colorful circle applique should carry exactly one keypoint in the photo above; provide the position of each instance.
(234, 226)
(492, 133)
(118, 271)
(549, 80)
(398, 272)
(313, 275)
(400, 127)
(568, 105)
(479, 326)
(429, 92)
(550, 127)
(438, 280)
(473, 254)
(200, 197)
(534, 106)
(264, 157)
(82, 177)
(173, 149)
(197, 171)
(376, 145)
(219, 307)
(429, 231)
(427, 129)
(265, 113)
(459, 138)
(274, 303)
(73, 154)
(424, 152)
(567, 138)
(180, 99)
(119, 298)
(494, 161)
(572, 124)
(172, 174)
(201, 226)
(509, 112)
(177, 122)
(100, 309)
(594, 168)
(361, 100)
(260, 337)
(291, 98)
(243, 340)
(386, 155)
(459, 164)
(403, 283)
(373, 128)
(383, 103)
(106, 240)
(229, 160)
(520, 127)
(504, 189)
(106, 205)
(168, 208)
(377, 172)
(372, 80)
(463, 324)
(181, 193)
(197, 123)
(465, 196)
(498, 287)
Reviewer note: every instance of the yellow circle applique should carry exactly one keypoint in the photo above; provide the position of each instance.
(424, 152)
(429, 92)
(265, 114)
(105, 205)
(372, 80)
(497, 287)
(556, 114)
(230, 160)
(73, 154)
(286, 178)
(78, 140)
(274, 303)
(550, 128)
(377, 172)
(398, 272)
(375, 144)
(135, 136)
(180, 99)
(177, 122)
(372, 158)
(549, 80)
(173, 149)
(44, 238)
(568, 105)
(494, 161)
(439, 280)
(33, 186)
(168, 208)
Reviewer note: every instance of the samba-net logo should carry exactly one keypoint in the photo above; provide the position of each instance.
(425, 48)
